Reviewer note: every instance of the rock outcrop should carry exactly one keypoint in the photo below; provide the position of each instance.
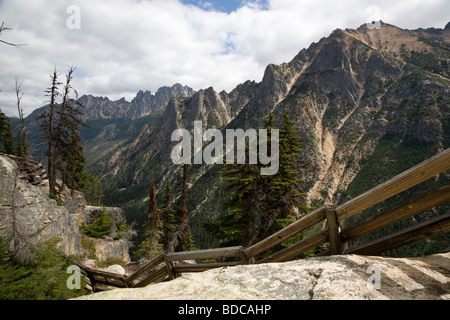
(344, 277)
(28, 216)
(113, 250)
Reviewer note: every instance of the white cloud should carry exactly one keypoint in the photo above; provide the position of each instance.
(124, 46)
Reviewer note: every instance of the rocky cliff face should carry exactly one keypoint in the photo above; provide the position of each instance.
(28, 216)
(348, 277)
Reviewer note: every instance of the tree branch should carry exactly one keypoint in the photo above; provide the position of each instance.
(2, 28)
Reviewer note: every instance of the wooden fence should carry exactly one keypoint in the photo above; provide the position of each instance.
(171, 265)
(32, 171)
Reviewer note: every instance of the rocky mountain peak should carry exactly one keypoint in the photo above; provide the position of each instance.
(145, 103)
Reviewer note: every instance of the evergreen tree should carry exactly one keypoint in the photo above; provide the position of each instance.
(6, 139)
(74, 175)
(283, 201)
(178, 241)
(99, 227)
(68, 145)
(48, 128)
(238, 224)
(167, 218)
(190, 242)
(43, 278)
(151, 247)
(261, 205)
(61, 124)
(20, 150)
(92, 189)
(152, 209)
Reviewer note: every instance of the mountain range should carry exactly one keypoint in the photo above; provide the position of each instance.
(367, 103)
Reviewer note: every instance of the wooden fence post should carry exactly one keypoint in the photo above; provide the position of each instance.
(244, 258)
(169, 267)
(334, 236)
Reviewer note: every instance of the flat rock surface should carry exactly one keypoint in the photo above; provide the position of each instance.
(320, 278)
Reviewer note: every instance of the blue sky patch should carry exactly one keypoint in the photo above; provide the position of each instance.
(227, 6)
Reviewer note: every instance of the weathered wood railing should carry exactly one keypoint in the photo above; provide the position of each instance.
(165, 267)
(32, 171)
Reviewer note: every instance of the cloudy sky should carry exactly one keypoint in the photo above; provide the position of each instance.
(123, 46)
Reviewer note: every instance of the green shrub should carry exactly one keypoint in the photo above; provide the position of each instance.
(104, 226)
(44, 277)
(99, 227)
(88, 244)
(123, 231)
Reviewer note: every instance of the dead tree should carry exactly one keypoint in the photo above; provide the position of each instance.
(24, 135)
(60, 125)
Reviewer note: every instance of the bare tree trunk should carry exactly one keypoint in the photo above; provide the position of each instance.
(181, 214)
(53, 92)
(19, 95)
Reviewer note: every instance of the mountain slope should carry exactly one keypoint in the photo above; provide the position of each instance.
(360, 86)
(367, 103)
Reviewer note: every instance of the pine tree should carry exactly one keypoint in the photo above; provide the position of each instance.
(6, 139)
(178, 241)
(61, 124)
(42, 278)
(74, 175)
(190, 242)
(99, 227)
(20, 150)
(48, 128)
(92, 189)
(238, 224)
(151, 246)
(261, 205)
(152, 209)
(68, 145)
(167, 218)
(283, 199)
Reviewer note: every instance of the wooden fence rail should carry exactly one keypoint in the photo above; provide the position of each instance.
(169, 266)
(30, 170)
(405, 180)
